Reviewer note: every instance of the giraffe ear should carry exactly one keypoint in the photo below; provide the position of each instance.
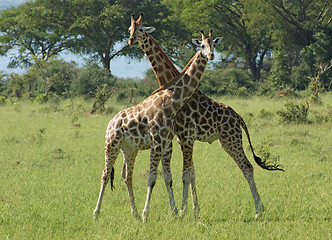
(196, 42)
(217, 40)
(149, 29)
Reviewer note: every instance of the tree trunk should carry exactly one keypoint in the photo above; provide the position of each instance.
(106, 63)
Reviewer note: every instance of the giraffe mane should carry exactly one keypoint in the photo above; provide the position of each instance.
(190, 62)
(175, 79)
(168, 60)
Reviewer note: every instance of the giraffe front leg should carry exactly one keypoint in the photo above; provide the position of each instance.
(154, 162)
(166, 159)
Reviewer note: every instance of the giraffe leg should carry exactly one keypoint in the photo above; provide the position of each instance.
(166, 159)
(127, 175)
(124, 170)
(235, 150)
(155, 156)
(194, 192)
(188, 175)
(111, 152)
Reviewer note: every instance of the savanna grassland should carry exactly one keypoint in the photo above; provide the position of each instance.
(51, 160)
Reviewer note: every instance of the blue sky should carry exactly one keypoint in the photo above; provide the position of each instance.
(120, 66)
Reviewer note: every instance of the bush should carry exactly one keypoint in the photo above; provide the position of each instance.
(296, 113)
(89, 79)
(231, 81)
(102, 95)
(2, 99)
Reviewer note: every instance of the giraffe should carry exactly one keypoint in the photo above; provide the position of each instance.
(201, 119)
(149, 125)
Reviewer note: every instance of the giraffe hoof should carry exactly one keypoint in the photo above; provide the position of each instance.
(144, 217)
(182, 213)
(175, 212)
(95, 215)
(196, 211)
(136, 215)
(259, 216)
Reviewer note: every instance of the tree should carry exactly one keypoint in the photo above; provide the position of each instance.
(30, 29)
(302, 40)
(101, 26)
(246, 36)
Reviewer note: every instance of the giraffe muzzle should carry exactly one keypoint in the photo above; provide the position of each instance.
(131, 40)
(211, 56)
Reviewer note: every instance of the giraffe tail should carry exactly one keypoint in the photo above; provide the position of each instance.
(262, 163)
(112, 179)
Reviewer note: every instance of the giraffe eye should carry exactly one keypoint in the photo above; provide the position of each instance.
(203, 46)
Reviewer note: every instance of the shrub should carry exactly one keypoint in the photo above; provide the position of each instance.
(231, 80)
(296, 113)
(89, 79)
(2, 99)
(102, 95)
(264, 113)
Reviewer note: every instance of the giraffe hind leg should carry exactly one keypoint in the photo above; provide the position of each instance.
(235, 150)
(111, 152)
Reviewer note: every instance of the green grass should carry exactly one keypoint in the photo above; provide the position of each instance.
(51, 160)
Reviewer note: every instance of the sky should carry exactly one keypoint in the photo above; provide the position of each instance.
(120, 66)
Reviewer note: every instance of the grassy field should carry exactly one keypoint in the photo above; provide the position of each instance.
(51, 160)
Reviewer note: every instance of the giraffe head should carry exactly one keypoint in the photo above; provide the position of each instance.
(137, 30)
(207, 44)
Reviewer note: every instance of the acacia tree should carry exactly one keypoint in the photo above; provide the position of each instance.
(30, 29)
(101, 26)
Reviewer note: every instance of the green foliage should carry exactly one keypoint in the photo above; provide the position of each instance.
(89, 79)
(31, 28)
(14, 85)
(226, 81)
(245, 37)
(54, 79)
(301, 41)
(267, 45)
(296, 113)
(147, 85)
(101, 26)
(102, 94)
(2, 100)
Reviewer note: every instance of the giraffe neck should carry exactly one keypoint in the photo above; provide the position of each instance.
(162, 66)
(193, 73)
(187, 83)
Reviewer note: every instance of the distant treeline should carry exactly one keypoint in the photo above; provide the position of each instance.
(267, 45)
